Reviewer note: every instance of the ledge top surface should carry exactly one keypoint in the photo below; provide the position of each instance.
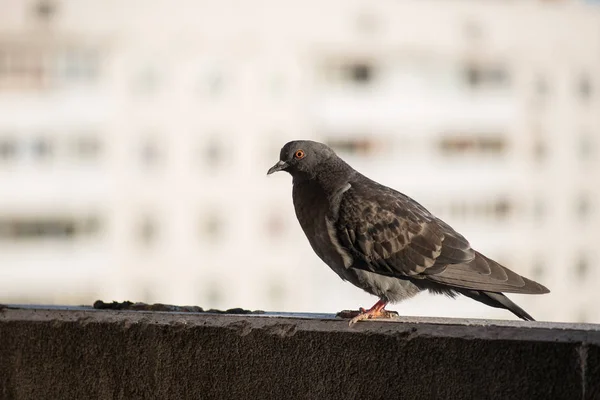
(497, 329)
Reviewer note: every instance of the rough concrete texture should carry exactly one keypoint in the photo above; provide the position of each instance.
(91, 354)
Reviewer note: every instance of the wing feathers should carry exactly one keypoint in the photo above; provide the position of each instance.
(485, 274)
(390, 234)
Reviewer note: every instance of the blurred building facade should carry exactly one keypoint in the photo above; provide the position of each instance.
(135, 137)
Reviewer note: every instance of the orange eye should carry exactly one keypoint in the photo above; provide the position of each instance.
(299, 154)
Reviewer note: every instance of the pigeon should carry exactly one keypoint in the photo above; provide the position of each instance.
(386, 243)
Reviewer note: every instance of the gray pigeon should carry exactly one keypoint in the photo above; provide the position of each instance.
(384, 242)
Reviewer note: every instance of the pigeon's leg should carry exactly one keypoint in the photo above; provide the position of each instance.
(377, 307)
(377, 311)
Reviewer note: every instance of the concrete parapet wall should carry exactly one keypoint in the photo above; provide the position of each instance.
(79, 353)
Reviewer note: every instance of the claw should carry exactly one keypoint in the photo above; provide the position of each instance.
(378, 311)
(382, 314)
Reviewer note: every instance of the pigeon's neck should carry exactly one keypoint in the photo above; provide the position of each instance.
(331, 177)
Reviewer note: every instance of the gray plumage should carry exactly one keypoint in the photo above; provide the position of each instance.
(384, 242)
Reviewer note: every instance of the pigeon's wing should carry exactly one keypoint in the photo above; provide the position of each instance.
(390, 234)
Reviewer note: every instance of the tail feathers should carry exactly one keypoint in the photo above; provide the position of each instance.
(498, 300)
(507, 303)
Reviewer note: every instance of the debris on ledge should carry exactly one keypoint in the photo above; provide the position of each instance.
(130, 306)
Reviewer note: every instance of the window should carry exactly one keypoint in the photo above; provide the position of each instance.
(494, 209)
(481, 76)
(360, 73)
(147, 230)
(87, 147)
(538, 271)
(356, 73)
(213, 153)
(501, 209)
(212, 227)
(541, 87)
(212, 81)
(584, 207)
(587, 146)
(151, 153)
(27, 65)
(363, 146)
(540, 149)
(8, 149)
(584, 88)
(582, 267)
(44, 10)
(91, 224)
(42, 148)
(47, 227)
(4, 63)
(452, 144)
(22, 67)
(79, 65)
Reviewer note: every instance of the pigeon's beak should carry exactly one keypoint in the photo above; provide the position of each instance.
(280, 166)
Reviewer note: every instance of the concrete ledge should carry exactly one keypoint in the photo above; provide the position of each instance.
(80, 353)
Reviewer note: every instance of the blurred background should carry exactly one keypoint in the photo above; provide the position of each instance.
(135, 137)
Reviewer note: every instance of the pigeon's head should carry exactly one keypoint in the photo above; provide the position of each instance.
(303, 157)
